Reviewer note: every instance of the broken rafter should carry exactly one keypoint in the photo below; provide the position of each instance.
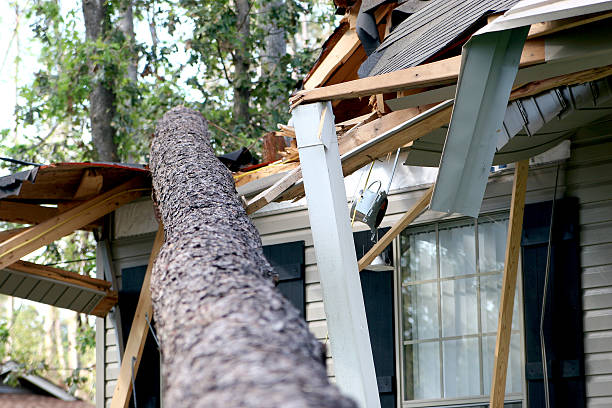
(435, 73)
(63, 224)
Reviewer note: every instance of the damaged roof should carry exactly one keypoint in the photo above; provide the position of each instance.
(436, 27)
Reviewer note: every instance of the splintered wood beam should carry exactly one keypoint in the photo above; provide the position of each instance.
(138, 332)
(506, 305)
(269, 195)
(65, 223)
(90, 185)
(435, 73)
(49, 273)
(416, 210)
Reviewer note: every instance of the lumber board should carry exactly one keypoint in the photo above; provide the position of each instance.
(65, 223)
(5, 235)
(23, 213)
(506, 306)
(269, 195)
(416, 210)
(138, 332)
(105, 305)
(89, 186)
(435, 73)
(342, 51)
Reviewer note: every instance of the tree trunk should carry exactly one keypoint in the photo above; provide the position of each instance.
(228, 338)
(101, 98)
(126, 26)
(276, 47)
(242, 81)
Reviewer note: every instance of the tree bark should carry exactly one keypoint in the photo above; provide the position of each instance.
(101, 98)
(242, 81)
(126, 26)
(228, 338)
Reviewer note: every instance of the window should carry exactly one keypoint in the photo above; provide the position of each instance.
(450, 283)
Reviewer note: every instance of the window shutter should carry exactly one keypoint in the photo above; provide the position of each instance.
(377, 288)
(148, 375)
(563, 332)
(288, 262)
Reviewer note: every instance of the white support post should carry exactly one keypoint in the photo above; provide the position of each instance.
(335, 252)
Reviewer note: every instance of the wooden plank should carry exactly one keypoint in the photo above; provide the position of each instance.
(5, 235)
(105, 304)
(397, 228)
(138, 332)
(435, 73)
(63, 224)
(342, 50)
(90, 185)
(269, 195)
(506, 306)
(22, 213)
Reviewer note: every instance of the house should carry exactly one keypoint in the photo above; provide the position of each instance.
(432, 307)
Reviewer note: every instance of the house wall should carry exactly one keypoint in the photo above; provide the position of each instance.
(587, 175)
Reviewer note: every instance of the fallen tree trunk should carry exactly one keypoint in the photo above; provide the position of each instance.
(228, 338)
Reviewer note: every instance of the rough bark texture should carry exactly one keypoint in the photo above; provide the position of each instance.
(242, 81)
(101, 99)
(228, 338)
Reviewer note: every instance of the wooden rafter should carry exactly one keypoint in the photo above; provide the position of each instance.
(138, 332)
(23, 213)
(506, 306)
(90, 185)
(65, 223)
(435, 73)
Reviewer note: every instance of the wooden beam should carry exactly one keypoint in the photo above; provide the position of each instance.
(435, 73)
(269, 195)
(22, 213)
(63, 224)
(396, 229)
(506, 306)
(5, 235)
(90, 185)
(340, 53)
(138, 332)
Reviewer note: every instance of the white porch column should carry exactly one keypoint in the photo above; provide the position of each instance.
(335, 252)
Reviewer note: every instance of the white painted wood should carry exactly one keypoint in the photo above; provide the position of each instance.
(335, 252)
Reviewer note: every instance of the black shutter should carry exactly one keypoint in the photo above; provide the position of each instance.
(563, 332)
(377, 287)
(288, 262)
(148, 375)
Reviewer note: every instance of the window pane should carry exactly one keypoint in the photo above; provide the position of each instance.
(422, 370)
(513, 378)
(419, 257)
(420, 303)
(492, 245)
(461, 367)
(459, 307)
(457, 251)
(490, 293)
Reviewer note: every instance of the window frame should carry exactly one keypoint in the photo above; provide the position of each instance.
(399, 341)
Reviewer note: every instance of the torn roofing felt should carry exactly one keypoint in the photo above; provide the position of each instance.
(439, 24)
(11, 185)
